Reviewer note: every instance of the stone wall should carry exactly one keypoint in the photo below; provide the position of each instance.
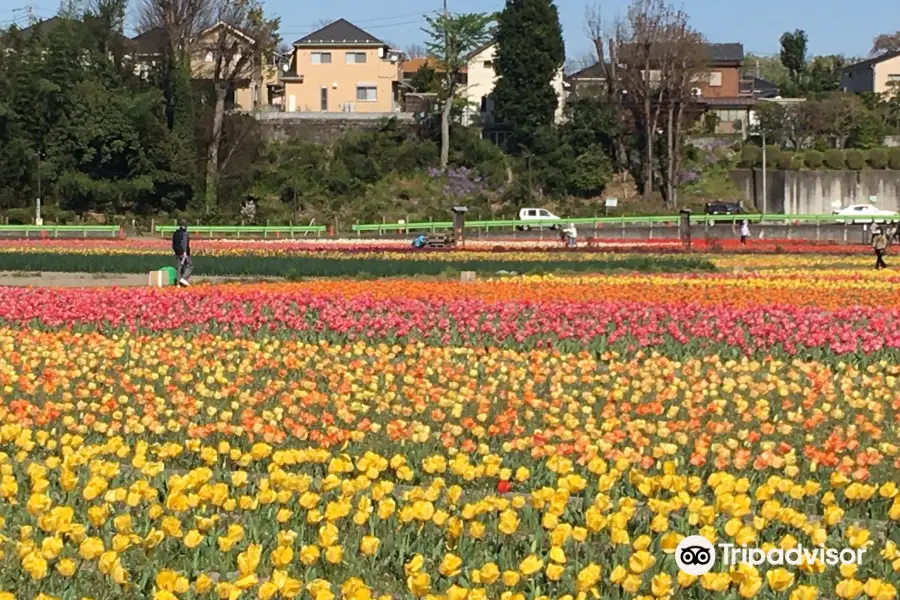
(816, 192)
(322, 127)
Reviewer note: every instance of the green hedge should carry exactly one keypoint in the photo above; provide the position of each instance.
(835, 159)
(295, 266)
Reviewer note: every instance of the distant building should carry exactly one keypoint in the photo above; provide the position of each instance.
(341, 68)
(256, 87)
(879, 75)
(724, 90)
(482, 77)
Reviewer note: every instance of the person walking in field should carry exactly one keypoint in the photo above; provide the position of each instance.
(880, 244)
(181, 245)
(745, 232)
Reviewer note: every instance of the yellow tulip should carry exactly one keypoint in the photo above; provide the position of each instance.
(368, 545)
(203, 583)
(848, 588)
(530, 565)
(661, 585)
(419, 584)
(640, 561)
(450, 565)
(779, 579)
(804, 592)
(192, 539)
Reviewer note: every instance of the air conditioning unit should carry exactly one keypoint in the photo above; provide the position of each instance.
(696, 92)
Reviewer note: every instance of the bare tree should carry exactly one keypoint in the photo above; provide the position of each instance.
(606, 45)
(651, 58)
(886, 42)
(685, 55)
(181, 20)
(416, 51)
(238, 47)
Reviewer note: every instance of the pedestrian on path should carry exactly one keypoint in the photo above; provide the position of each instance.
(745, 232)
(880, 244)
(181, 245)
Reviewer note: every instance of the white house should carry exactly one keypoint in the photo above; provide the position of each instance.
(481, 81)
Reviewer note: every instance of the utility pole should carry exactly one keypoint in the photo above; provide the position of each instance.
(764, 189)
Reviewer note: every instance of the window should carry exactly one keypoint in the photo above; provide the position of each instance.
(894, 78)
(488, 64)
(366, 93)
(356, 58)
(321, 58)
(715, 79)
(532, 213)
(323, 100)
(544, 213)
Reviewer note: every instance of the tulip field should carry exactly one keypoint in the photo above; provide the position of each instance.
(528, 437)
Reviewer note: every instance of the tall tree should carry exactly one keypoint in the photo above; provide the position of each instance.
(648, 38)
(607, 42)
(793, 53)
(180, 21)
(451, 38)
(238, 47)
(823, 74)
(530, 54)
(684, 64)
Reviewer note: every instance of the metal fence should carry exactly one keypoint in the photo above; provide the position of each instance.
(57, 231)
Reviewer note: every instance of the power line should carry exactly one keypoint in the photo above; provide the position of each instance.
(386, 26)
(365, 22)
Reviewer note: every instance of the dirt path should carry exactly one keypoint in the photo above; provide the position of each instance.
(66, 280)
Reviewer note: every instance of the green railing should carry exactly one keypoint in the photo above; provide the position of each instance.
(600, 222)
(249, 230)
(65, 230)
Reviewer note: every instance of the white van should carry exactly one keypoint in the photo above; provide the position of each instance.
(536, 214)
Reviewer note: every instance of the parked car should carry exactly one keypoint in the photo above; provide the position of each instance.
(725, 208)
(536, 214)
(864, 213)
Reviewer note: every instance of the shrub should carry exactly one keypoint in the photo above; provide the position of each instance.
(834, 159)
(813, 159)
(773, 156)
(797, 162)
(784, 161)
(894, 158)
(878, 158)
(750, 156)
(856, 160)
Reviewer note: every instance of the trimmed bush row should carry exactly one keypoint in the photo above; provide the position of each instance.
(838, 160)
(291, 267)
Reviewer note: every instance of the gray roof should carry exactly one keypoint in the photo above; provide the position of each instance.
(716, 54)
(725, 53)
(759, 87)
(595, 71)
(340, 33)
(47, 26)
(151, 42)
(873, 61)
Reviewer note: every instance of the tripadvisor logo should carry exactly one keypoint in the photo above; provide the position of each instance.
(696, 555)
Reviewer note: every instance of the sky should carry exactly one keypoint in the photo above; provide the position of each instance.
(833, 26)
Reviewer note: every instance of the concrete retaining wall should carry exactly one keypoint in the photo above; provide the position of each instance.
(815, 192)
(322, 128)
